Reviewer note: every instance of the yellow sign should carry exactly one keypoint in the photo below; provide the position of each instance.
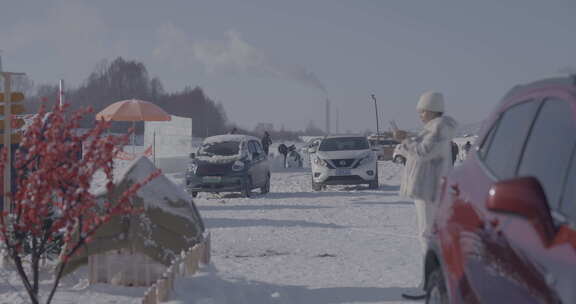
(15, 109)
(15, 138)
(16, 123)
(14, 97)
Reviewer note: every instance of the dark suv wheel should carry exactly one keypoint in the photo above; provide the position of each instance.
(247, 187)
(266, 188)
(436, 292)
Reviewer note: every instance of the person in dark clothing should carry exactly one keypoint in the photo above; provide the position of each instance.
(266, 142)
(233, 131)
(455, 151)
(467, 147)
(283, 149)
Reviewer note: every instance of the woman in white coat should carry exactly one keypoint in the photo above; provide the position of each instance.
(429, 157)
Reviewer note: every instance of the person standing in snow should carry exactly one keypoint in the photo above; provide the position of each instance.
(467, 148)
(266, 142)
(428, 158)
(455, 152)
(283, 150)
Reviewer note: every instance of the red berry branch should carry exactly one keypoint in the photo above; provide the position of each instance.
(52, 207)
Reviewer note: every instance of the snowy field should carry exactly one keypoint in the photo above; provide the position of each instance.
(344, 245)
(347, 244)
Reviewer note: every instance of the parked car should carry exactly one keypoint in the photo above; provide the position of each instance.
(343, 160)
(383, 146)
(505, 227)
(229, 163)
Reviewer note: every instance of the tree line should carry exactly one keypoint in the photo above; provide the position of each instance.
(126, 79)
(123, 79)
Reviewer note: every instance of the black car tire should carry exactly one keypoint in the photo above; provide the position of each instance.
(436, 292)
(266, 188)
(373, 185)
(247, 188)
(317, 186)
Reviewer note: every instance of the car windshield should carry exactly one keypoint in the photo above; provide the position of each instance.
(223, 148)
(344, 143)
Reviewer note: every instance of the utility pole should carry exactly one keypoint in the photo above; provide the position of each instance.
(327, 116)
(61, 92)
(376, 108)
(337, 120)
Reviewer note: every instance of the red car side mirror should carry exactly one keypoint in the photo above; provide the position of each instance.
(525, 197)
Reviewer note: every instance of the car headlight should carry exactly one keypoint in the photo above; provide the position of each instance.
(192, 167)
(320, 162)
(366, 159)
(238, 166)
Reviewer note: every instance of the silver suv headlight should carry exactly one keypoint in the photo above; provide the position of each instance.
(320, 162)
(238, 166)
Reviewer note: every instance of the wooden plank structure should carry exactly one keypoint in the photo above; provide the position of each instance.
(185, 265)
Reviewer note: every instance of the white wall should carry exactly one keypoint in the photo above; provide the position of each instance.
(173, 138)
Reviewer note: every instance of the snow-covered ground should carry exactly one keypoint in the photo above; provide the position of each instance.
(344, 245)
(347, 244)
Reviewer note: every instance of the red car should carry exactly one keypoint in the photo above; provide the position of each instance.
(505, 227)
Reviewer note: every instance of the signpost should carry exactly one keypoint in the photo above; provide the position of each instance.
(7, 111)
(376, 109)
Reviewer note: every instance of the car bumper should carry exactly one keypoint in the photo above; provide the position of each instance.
(344, 176)
(223, 184)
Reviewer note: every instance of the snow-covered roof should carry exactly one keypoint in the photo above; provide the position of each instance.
(344, 135)
(228, 137)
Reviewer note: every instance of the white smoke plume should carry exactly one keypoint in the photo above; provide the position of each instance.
(231, 55)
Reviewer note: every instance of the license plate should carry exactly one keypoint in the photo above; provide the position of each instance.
(212, 179)
(342, 172)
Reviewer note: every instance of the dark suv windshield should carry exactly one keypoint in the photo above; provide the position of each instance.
(344, 143)
(225, 148)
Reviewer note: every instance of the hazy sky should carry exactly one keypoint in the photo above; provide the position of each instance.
(276, 61)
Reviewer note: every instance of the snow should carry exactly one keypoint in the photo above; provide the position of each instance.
(347, 244)
(344, 245)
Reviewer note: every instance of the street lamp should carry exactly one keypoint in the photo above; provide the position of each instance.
(376, 108)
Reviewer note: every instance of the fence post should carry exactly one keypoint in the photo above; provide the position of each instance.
(150, 297)
(162, 290)
(206, 252)
(170, 278)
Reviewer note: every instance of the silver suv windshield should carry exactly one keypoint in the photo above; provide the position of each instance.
(344, 144)
(224, 148)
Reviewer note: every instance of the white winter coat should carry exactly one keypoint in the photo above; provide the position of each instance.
(428, 158)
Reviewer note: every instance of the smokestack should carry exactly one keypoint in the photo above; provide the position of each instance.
(327, 116)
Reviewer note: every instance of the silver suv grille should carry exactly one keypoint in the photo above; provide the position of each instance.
(342, 163)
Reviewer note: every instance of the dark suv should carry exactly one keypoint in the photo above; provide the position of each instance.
(505, 226)
(228, 163)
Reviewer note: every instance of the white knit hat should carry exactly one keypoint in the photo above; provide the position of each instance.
(431, 101)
